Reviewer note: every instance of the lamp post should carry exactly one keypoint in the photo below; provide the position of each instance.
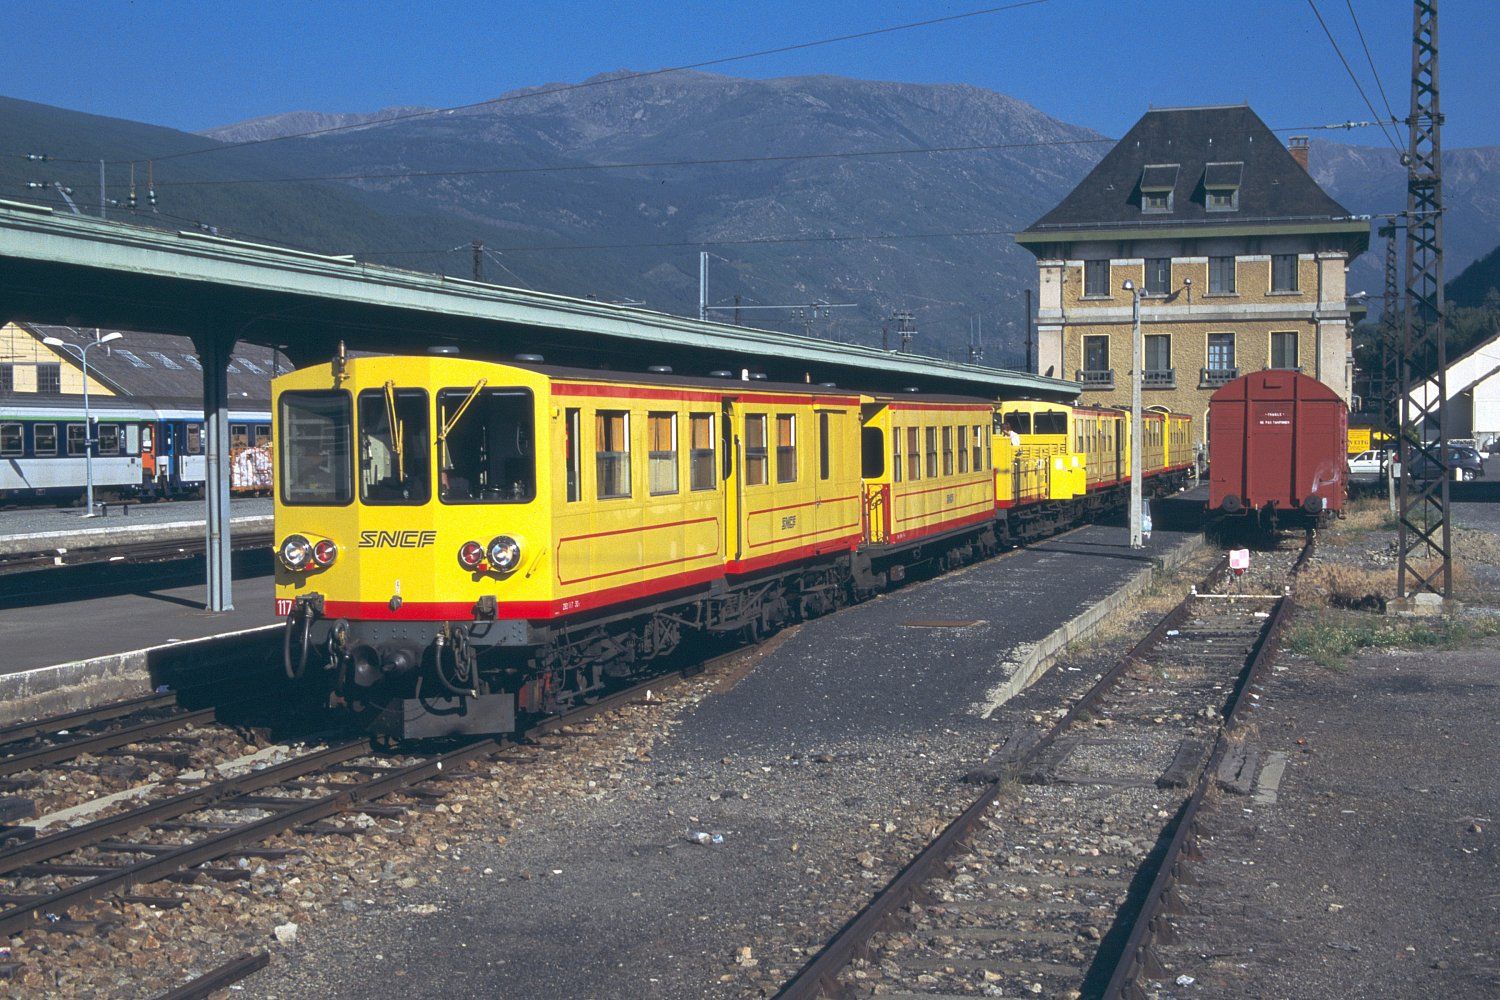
(82, 353)
(1136, 541)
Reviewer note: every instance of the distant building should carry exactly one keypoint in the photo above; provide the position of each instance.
(1472, 409)
(1239, 254)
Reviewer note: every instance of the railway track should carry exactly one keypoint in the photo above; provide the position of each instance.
(45, 883)
(132, 553)
(1053, 881)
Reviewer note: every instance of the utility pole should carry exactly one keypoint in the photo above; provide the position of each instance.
(703, 284)
(1387, 379)
(1423, 527)
(1026, 326)
(102, 199)
(478, 247)
(905, 329)
(1137, 528)
(737, 309)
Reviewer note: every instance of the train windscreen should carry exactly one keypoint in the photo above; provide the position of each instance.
(393, 447)
(315, 435)
(486, 445)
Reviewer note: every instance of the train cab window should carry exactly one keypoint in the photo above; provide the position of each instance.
(1051, 423)
(394, 445)
(963, 450)
(786, 448)
(44, 439)
(486, 451)
(701, 456)
(932, 465)
(612, 454)
(195, 443)
(755, 449)
(315, 434)
(661, 453)
(572, 423)
(109, 439)
(76, 439)
(825, 455)
(11, 440)
(895, 455)
(980, 439)
(913, 453)
(872, 453)
(947, 451)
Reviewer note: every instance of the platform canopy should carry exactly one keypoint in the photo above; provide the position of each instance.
(82, 271)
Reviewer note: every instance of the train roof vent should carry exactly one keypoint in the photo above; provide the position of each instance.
(530, 359)
(660, 369)
(443, 350)
(721, 373)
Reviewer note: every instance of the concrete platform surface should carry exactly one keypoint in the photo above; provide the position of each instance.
(53, 634)
(33, 529)
(847, 723)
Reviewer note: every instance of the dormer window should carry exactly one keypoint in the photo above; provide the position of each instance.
(1158, 180)
(1221, 186)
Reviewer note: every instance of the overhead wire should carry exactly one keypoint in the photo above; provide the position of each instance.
(1350, 70)
(1370, 59)
(607, 81)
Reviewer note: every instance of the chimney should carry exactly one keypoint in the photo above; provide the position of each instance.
(1297, 146)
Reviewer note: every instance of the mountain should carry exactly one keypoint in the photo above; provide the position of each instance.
(520, 174)
(1478, 284)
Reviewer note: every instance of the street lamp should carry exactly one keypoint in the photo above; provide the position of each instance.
(82, 353)
(1136, 528)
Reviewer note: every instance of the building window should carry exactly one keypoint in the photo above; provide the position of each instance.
(131, 356)
(7, 378)
(755, 449)
(1284, 350)
(1096, 278)
(963, 449)
(1221, 184)
(1223, 199)
(701, 459)
(165, 361)
(1284, 272)
(913, 454)
(1096, 354)
(1159, 276)
(44, 439)
(661, 453)
(49, 378)
(786, 448)
(1221, 275)
(1158, 352)
(1220, 357)
(76, 438)
(1156, 202)
(572, 421)
(10, 439)
(612, 454)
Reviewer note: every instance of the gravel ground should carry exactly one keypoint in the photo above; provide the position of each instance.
(28, 520)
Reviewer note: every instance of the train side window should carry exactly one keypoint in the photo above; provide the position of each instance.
(44, 439)
(980, 437)
(109, 439)
(931, 453)
(913, 454)
(486, 445)
(895, 454)
(239, 436)
(148, 437)
(947, 451)
(572, 423)
(394, 446)
(262, 435)
(315, 432)
(195, 442)
(872, 453)
(661, 453)
(963, 449)
(11, 442)
(701, 457)
(76, 437)
(825, 457)
(755, 449)
(612, 454)
(786, 448)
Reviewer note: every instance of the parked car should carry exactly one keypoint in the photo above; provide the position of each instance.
(1369, 466)
(1465, 460)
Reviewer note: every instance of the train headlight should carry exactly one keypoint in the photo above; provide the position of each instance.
(470, 555)
(324, 553)
(504, 553)
(296, 553)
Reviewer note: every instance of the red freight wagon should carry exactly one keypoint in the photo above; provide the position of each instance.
(1277, 446)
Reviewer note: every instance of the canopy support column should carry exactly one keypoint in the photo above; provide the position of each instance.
(213, 352)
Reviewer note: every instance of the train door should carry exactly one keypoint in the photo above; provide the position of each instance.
(734, 481)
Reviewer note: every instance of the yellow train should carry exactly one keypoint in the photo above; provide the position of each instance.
(461, 540)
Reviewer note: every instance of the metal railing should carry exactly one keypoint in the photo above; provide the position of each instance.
(1097, 378)
(1159, 378)
(1217, 376)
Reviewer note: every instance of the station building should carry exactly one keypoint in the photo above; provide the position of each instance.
(1239, 256)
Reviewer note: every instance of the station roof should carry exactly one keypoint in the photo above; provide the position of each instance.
(87, 272)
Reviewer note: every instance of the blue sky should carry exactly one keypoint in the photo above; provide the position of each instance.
(1098, 63)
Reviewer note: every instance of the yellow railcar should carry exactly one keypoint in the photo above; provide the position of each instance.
(938, 479)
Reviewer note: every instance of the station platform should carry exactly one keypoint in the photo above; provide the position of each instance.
(40, 529)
